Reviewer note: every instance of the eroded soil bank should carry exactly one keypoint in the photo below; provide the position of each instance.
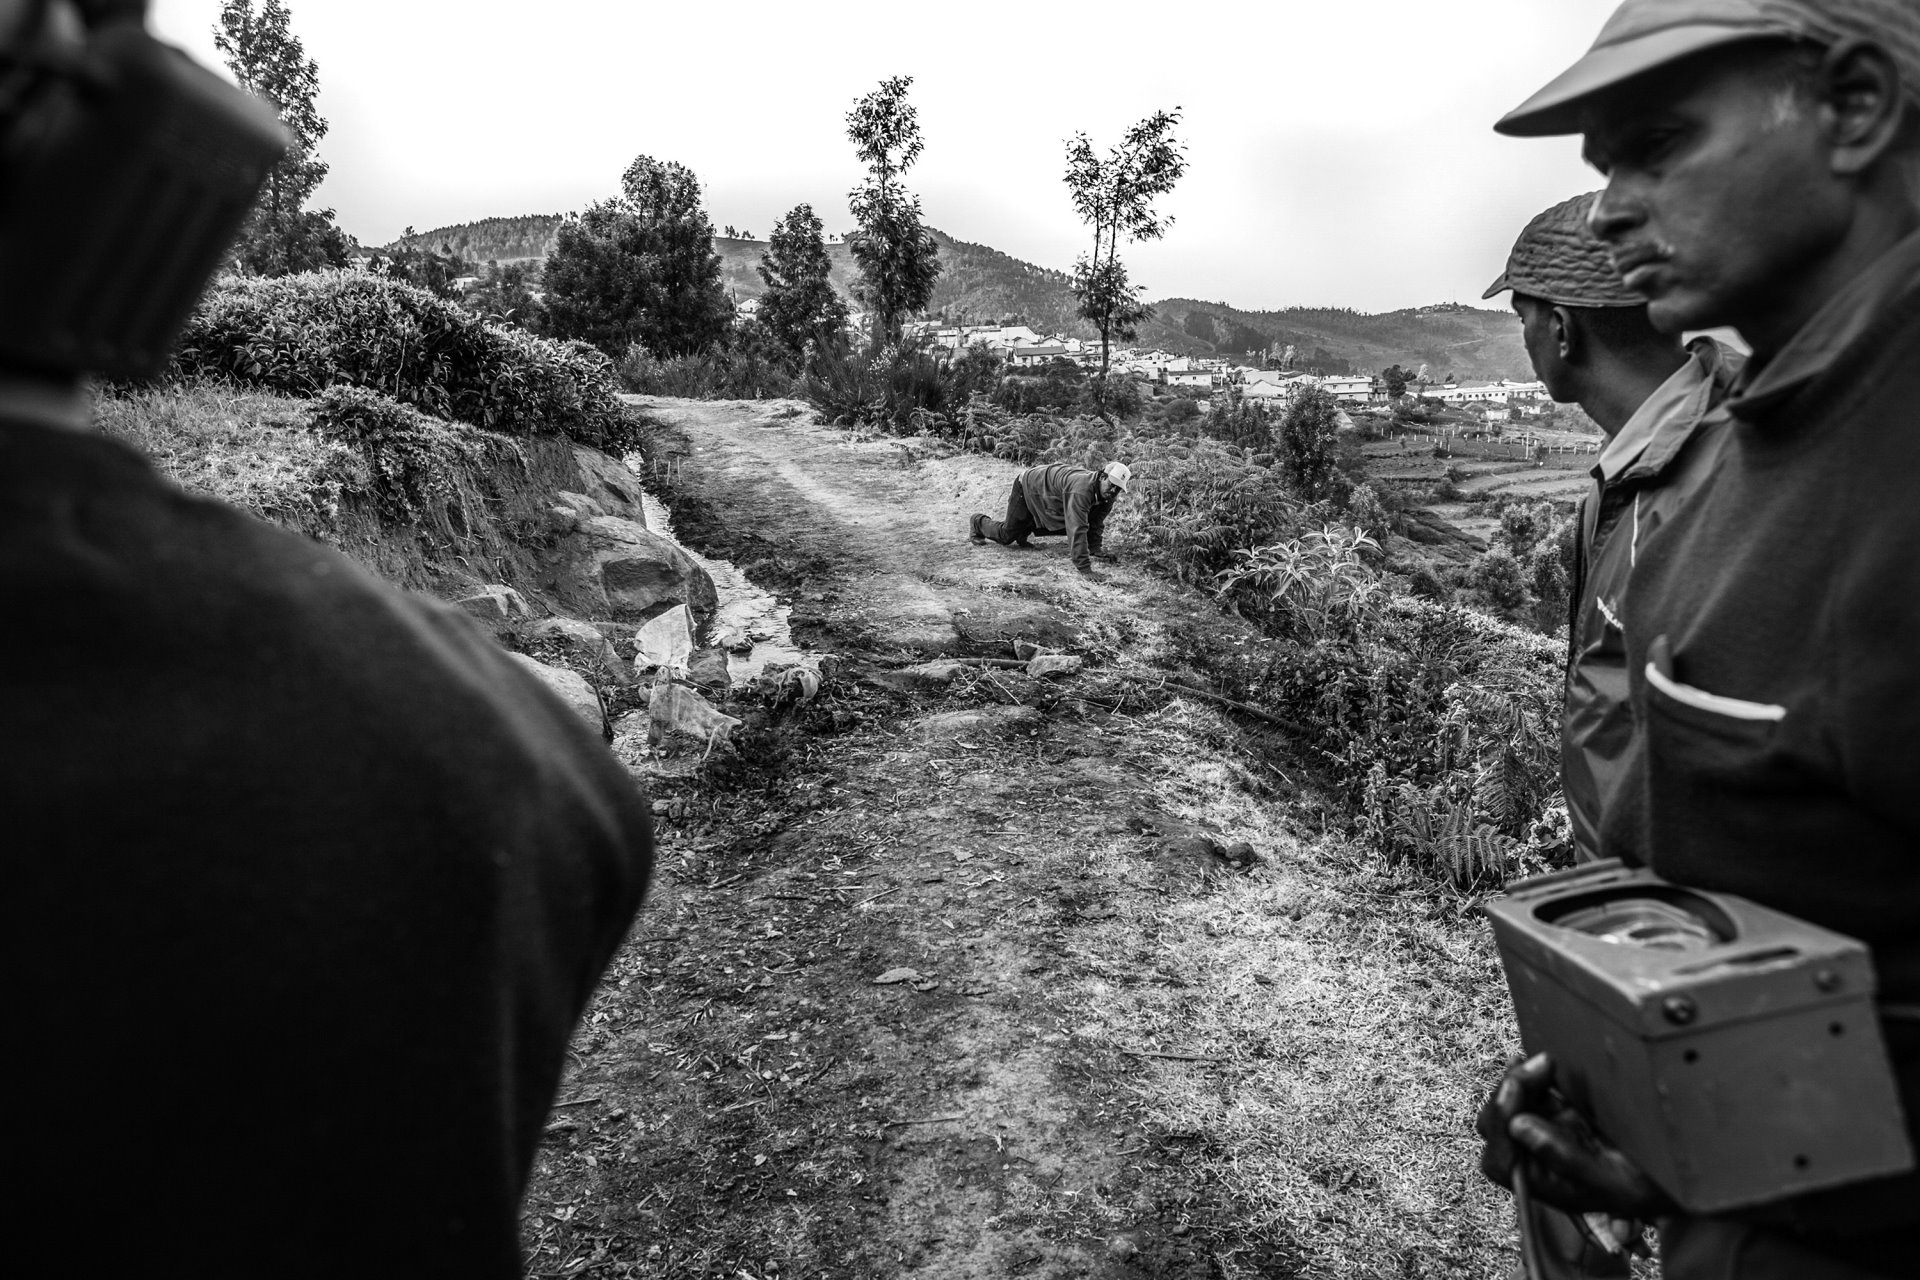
(967, 974)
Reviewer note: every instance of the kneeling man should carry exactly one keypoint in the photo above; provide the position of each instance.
(1055, 500)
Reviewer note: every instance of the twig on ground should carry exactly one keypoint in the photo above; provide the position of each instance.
(876, 897)
(927, 1120)
(577, 1102)
(1173, 1057)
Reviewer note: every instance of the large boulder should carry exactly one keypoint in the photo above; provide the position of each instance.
(571, 687)
(613, 567)
(608, 483)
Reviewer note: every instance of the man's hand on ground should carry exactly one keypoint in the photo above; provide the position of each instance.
(1568, 1165)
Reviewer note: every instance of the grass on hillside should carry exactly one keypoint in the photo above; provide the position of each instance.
(1345, 1020)
(247, 448)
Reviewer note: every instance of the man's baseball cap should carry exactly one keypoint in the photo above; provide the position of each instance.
(1645, 34)
(1117, 474)
(1558, 259)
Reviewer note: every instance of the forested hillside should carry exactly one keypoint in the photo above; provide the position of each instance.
(1469, 342)
(980, 284)
(489, 239)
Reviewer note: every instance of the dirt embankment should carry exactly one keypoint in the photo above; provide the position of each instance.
(976, 975)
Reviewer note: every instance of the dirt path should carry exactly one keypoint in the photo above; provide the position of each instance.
(956, 979)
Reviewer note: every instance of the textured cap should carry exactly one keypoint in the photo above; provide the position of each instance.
(1117, 474)
(1558, 259)
(1644, 34)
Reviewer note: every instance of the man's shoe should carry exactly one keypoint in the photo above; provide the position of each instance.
(973, 530)
(1022, 544)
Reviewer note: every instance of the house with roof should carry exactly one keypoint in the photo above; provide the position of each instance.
(1200, 378)
(1031, 357)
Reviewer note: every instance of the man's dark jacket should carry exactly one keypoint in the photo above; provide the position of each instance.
(1773, 640)
(1616, 518)
(307, 884)
(1063, 498)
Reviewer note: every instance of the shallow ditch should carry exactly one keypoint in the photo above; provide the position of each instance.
(750, 624)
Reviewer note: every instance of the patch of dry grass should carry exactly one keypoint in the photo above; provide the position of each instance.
(1349, 1024)
(248, 448)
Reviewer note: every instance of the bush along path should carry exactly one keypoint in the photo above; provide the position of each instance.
(958, 971)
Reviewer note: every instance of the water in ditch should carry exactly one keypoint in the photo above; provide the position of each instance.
(752, 627)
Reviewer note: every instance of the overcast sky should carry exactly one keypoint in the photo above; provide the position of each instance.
(1341, 150)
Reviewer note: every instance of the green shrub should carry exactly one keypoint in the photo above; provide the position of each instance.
(898, 387)
(300, 335)
(1316, 586)
(1198, 501)
(724, 373)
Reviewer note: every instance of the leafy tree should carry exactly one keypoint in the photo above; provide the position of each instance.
(1498, 576)
(434, 270)
(1310, 445)
(799, 305)
(281, 234)
(1115, 197)
(898, 258)
(1396, 379)
(640, 268)
(505, 294)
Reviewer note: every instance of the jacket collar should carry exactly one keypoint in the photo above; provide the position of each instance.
(1834, 329)
(1660, 428)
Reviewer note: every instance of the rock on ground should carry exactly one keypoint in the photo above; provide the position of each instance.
(609, 485)
(614, 567)
(494, 602)
(571, 687)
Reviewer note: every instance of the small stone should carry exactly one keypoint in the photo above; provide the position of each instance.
(495, 602)
(1122, 1247)
(708, 669)
(1054, 664)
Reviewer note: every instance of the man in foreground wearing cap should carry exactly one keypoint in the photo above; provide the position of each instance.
(1591, 343)
(1054, 500)
(1763, 166)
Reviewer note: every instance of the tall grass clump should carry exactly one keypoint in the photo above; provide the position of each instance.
(717, 373)
(302, 334)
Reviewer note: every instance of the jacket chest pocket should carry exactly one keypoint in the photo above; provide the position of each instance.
(1723, 779)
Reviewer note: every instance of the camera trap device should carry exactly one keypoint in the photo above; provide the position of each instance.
(1731, 1051)
(125, 171)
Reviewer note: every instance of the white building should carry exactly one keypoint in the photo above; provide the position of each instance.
(1356, 389)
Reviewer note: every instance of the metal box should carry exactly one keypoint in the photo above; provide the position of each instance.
(1732, 1052)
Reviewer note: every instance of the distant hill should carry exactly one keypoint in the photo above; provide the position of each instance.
(979, 284)
(490, 239)
(976, 283)
(1469, 342)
